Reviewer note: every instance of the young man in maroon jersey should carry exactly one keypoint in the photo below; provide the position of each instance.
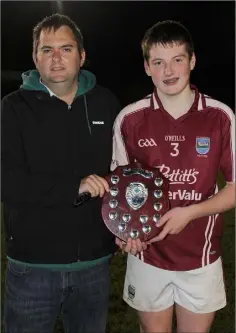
(189, 136)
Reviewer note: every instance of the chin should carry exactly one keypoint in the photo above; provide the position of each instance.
(174, 90)
(58, 79)
(173, 93)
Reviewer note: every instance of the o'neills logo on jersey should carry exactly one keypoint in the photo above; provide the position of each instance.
(178, 176)
(174, 138)
(147, 142)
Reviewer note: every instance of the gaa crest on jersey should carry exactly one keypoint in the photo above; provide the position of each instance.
(202, 145)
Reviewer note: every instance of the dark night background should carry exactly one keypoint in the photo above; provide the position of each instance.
(112, 33)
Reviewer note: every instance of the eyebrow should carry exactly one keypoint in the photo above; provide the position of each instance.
(51, 47)
(177, 56)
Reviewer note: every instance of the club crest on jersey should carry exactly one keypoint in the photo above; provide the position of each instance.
(202, 145)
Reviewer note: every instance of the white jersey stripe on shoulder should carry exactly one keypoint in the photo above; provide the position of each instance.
(206, 240)
(155, 103)
(148, 96)
(119, 153)
(220, 106)
(200, 107)
(134, 107)
(229, 113)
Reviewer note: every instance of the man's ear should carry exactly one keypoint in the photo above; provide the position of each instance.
(82, 57)
(193, 61)
(34, 58)
(147, 69)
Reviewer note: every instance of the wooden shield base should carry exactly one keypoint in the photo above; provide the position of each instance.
(147, 191)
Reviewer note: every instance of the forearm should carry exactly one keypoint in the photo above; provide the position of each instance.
(218, 203)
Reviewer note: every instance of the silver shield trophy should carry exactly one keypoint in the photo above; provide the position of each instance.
(137, 199)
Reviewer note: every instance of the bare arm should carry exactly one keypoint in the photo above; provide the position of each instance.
(177, 218)
(218, 203)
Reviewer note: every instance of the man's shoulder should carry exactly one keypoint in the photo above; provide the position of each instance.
(14, 95)
(20, 95)
(101, 91)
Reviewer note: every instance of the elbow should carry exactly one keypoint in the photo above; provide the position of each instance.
(231, 195)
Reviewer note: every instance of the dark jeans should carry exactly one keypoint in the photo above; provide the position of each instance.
(34, 298)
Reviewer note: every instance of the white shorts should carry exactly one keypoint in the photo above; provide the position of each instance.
(151, 289)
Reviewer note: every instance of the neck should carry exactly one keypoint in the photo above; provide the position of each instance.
(177, 105)
(65, 92)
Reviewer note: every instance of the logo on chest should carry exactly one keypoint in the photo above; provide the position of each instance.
(202, 145)
(147, 142)
(98, 122)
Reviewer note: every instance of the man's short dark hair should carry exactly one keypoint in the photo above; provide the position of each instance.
(166, 33)
(55, 22)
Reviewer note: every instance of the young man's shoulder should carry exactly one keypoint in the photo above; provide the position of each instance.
(135, 108)
(218, 106)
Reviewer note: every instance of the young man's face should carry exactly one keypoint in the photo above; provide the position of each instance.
(57, 58)
(170, 67)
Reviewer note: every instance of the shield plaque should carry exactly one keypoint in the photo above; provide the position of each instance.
(137, 199)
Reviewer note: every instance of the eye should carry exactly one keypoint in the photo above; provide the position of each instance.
(178, 59)
(46, 51)
(67, 49)
(158, 62)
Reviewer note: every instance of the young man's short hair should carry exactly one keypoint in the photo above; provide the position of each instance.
(166, 33)
(55, 22)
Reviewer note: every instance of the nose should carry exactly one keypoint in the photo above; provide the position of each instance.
(168, 70)
(56, 56)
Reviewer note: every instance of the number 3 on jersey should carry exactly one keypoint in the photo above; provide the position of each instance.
(175, 150)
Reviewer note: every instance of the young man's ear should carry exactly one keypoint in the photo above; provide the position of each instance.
(193, 61)
(146, 67)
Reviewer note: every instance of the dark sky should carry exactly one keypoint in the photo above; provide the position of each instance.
(113, 30)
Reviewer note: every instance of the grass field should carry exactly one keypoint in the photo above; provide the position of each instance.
(123, 319)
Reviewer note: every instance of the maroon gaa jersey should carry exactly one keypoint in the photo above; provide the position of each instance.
(189, 151)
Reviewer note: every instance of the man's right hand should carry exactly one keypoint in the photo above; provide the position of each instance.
(95, 185)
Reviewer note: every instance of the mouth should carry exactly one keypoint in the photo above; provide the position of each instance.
(57, 69)
(171, 82)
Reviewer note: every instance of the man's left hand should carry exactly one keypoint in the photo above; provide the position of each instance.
(174, 221)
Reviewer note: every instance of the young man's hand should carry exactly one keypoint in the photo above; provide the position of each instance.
(95, 185)
(174, 221)
(133, 245)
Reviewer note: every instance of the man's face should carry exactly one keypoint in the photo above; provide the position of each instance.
(57, 58)
(170, 67)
